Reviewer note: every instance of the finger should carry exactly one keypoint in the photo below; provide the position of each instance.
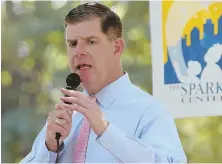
(76, 107)
(75, 100)
(73, 93)
(61, 107)
(67, 92)
(69, 111)
(62, 123)
(58, 106)
(54, 128)
(62, 114)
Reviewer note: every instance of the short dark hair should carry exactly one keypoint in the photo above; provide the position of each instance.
(110, 22)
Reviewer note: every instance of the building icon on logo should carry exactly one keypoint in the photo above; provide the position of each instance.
(193, 47)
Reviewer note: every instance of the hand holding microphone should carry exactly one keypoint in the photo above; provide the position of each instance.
(59, 121)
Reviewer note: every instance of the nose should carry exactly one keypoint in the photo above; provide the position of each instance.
(79, 49)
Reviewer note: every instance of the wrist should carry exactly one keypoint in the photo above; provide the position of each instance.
(53, 148)
(50, 147)
(105, 124)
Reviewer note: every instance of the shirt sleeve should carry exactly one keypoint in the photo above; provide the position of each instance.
(39, 152)
(159, 142)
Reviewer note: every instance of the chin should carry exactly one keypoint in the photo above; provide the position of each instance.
(86, 84)
(90, 87)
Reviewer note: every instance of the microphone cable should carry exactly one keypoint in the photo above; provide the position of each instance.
(58, 135)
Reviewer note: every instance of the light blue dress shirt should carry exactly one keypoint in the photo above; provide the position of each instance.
(140, 130)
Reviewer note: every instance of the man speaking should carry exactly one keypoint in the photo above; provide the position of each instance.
(112, 120)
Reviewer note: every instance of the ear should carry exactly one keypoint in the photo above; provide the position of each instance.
(119, 45)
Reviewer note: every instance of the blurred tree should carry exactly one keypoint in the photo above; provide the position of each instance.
(34, 67)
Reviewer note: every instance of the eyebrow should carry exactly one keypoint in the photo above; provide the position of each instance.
(84, 38)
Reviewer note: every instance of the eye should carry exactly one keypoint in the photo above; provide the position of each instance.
(92, 42)
(73, 44)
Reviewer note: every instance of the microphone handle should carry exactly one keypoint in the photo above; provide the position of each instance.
(58, 135)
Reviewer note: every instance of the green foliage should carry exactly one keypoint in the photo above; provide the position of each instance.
(34, 66)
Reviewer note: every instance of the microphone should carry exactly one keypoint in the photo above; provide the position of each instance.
(72, 82)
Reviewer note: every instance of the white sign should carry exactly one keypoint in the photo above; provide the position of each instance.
(186, 46)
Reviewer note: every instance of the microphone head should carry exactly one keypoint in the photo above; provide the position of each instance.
(73, 80)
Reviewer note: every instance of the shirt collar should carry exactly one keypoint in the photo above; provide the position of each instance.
(107, 95)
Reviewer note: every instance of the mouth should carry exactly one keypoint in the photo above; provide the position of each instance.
(83, 66)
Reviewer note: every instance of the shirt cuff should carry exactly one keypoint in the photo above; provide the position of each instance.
(125, 148)
(43, 155)
(109, 136)
(111, 139)
(52, 157)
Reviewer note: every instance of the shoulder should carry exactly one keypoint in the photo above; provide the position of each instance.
(150, 109)
(144, 100)
(143, 96)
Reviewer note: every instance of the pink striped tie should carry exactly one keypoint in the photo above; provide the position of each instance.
(81, 143)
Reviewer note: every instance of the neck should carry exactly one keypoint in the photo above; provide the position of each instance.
(113, 77)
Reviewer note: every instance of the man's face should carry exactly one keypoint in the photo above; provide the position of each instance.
(91, 54)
